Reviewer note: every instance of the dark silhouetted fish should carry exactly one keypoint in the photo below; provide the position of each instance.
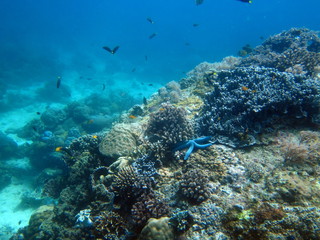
(145, 102)
(150, 20)
(150, 84)
(38, 113)
(198, 2)
(112, 51)
(152, 35)
(103, 87)
(146, 58)
(133, 70)
(58, 82)
(195, 25)
(245, 1)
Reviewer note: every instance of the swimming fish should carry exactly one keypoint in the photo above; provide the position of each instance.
(38, 113)
(150, 20)
(145, 102)
(133, 70)
(103, 86)
(198, 2)
(146, 58)
(112, 51)
(246, 1)
(58, 149)
(132, 117)
(152, 35)
(58, 82)
(195, 24)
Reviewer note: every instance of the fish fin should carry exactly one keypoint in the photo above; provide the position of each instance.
(108, 49)
(115, 49)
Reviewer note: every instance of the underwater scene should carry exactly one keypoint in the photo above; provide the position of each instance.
(159, 120)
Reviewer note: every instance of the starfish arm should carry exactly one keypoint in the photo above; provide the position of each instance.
(189, 152)
(202, 139)
(182, 146)
(202, 146)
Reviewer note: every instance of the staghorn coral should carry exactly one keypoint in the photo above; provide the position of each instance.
(194, 186)
(287, 51)
(246, 100)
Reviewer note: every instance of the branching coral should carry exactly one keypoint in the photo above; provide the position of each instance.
(245, 100)
(302, 149)
(289, 50)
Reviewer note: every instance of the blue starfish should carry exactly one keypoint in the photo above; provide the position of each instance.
(192, 144)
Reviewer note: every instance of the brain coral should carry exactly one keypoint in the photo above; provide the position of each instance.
(121, 140)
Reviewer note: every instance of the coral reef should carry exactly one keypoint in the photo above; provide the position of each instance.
(168, 127)
(194, 186)
(143, 179)
(247, 100)
(121, 140)
(170, 93)
(296, 50)
(157, 229)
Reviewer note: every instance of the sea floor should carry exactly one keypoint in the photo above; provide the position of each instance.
(13, 218)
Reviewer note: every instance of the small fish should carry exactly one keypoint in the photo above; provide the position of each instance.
(133, 70)
(95, 136)
(150, 20)
(145, 102)
(146, 58)
(112, 51)
(152, 35)
(38, 113)
(244, 88)
(59, 149)
(198, 2)
(246, 1)
(35, 128)
(195, 25)
(58, 82)
(187, 44)
(150, 84)
(103, 86)
(132, 117)
(19, 222)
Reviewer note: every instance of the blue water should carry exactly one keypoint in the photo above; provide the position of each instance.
(41, 40)
(44, 39)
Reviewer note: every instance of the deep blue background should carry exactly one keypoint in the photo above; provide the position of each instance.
(42, 39)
